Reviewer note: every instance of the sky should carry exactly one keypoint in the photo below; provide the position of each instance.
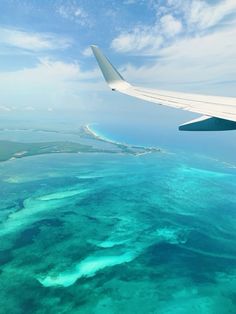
(46, 63)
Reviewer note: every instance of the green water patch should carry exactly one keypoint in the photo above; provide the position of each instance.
(126, 234)
(34, 207)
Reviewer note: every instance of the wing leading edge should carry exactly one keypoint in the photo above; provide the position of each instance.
(219, 113)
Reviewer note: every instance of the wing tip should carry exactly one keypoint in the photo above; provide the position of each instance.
(93, 46)
(110, 73)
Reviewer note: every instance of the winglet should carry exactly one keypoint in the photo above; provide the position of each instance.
(111, 75)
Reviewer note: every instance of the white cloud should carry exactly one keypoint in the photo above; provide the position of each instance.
(197, 51)
(29, 108)
(32, 41)
(87, 52)
(47, 73)
(129, 1)
(75, 13)
(198, 63)
(5, 108)
(170, 25)
(49, 84)
(145, 38)
(203, 15)
(137, 40)
(195, 17)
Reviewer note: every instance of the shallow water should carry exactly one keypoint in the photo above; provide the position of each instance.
(102, 233)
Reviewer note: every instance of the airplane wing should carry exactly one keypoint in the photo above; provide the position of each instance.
(218, 113)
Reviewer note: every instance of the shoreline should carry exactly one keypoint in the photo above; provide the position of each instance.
(95, 135)
(88, 129)
(11, 150)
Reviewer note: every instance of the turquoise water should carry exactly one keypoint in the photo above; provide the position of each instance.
(157, 133)
(105, 233)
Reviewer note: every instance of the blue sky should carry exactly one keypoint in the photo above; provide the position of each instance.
(46, 63)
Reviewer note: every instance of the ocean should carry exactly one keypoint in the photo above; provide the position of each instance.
(119, 233)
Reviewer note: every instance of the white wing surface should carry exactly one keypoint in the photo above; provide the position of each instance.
(219, 113)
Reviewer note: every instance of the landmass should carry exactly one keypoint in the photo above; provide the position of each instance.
(12, 150)
(86, 131)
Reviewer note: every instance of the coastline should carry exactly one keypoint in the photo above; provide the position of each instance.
(90, 131)
(11, 150)
(87, 129)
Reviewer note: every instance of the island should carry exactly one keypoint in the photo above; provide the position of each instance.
(87, 132)
(12, 149)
